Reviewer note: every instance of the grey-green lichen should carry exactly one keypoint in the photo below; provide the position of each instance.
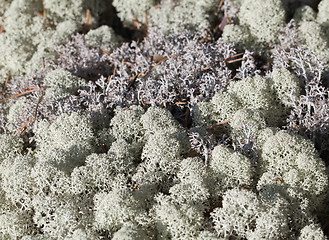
(121, 191)
(313, 28)
(40, 29)
(185, 15)
(169, 16)
(269, 98)
(258, 26)
(66, 142)
(229, 170)
(10, 146)
(131, 10)
(103, 36)
(61, 84)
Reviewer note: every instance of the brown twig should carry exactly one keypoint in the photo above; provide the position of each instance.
(320, 214)
(325, 226)
(21, 128)
(128, 63)
(6, 82)
(106, 52)
(279, 180)
(180, 103)
(134, 187)
(32, 119)
(235, 60)
(222, 25)
(141, 74)
(109, 77)
(219, 7)
(136, 23)
(220, 123)
(31, 87)
(44, 9)
(88, 18)
(146, 24)
(228, 19)
(235, 55)
(193, 154)
(231, 60)
(206, 68)
(161, 61)
(36, 108)
(20, 94)
(2, 28)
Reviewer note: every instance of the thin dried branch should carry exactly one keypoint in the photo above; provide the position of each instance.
(21, 94)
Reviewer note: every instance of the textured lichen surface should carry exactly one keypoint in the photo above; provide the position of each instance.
(167, 119)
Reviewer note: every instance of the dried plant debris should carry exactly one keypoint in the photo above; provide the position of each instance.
(168, 70)
(175, 71)
(178, 70)
(79, 58)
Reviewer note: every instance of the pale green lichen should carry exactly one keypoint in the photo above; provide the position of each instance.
(96, 175)
(236, 217)
(169, 16)
(66, 142)
(323, 14)
(115, 209)
(313, 29)
(312, 231)
(179, 16)
(315, 38)
(127, 125)
(131, 10)
(286, 86)
(54, 208)
(130, 232)
(292, 163)
(239, 35)
(229, 170)
(143, 185)
(247, 121)
(103, 36)
(224, 106)
(256, 94)
(13, 225)
(202, 113)
(265, 134)
(24, 46)
(4, 5)
(159, 120)
(269, 99)
(10, 146)
(82, 234)
(305, 14)
(273, 220)
(160, 155)
(192, 186)
(263, 23)
(174, 221)
(15, 180)
(61, 84)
